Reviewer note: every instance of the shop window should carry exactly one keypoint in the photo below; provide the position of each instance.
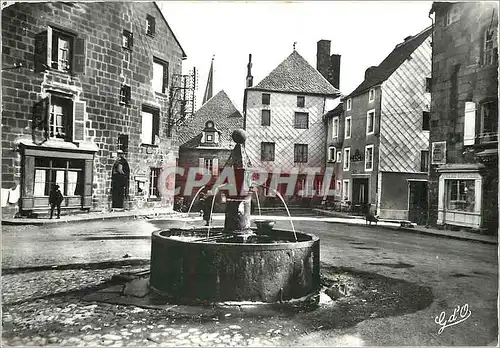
(301, 120)
(59, 50)
(300, 153)
(68, 174)
(266, 118)
(127, 39)
(267, 151)
(150, 125)
(150, 25)
(160, 75)
(460, 195)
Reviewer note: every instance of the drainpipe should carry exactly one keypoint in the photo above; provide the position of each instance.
(430, 109)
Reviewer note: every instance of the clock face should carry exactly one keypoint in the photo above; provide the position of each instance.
(210, 124)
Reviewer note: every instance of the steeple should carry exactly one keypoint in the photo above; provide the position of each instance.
(210, 83)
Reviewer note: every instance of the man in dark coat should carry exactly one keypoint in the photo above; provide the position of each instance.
(55, 200)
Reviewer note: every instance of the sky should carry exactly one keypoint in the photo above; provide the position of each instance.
(362, 32)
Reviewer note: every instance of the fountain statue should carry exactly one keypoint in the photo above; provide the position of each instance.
(234, 263)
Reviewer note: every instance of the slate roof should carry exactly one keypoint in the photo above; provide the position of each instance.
(295, 74)
(335, 111)
(385, 69)
(219, 109)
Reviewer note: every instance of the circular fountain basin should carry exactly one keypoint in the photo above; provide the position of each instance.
(269, 268)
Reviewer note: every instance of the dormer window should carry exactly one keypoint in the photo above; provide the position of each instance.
(210, 134)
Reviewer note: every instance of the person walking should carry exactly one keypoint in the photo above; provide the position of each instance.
(55, 200)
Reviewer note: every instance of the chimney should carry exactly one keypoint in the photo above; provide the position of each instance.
(249, 71)
(370, 71)
(328, 66)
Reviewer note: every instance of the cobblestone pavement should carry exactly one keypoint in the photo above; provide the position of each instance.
(43, 308)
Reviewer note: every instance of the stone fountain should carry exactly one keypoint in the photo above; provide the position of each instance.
(234, 263)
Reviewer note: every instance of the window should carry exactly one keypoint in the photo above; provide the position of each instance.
(339, 156)
(59, 50)
(368, 157)
(347, 129)
(209, 138)
(426, 118)
(266, 118)
(332, 151)
(300, 153)
(370, 122)
(150, 25)
(127, 39)
(452, 15)
(490, 47)
(439, 152)
(60, 113)
(460, 195)
(208, 164)
(122, 143)
(67, 173)
(347, 158)
(267, 151)
(345, 190)
(349, 102)
(424, 161)
(301, 101)
(335, 127)
(371, 95)
(488, 129)
(428, 84)
(125, 94)
(266, 99)
(153, 182)
(160, 75)
(150, 125)
(301, 120)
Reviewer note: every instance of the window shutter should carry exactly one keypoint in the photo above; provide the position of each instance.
(79, 56)
(41, 55)
(201, 163)
(470, 123)
(78, 121)
(215, 166)
(156, 127)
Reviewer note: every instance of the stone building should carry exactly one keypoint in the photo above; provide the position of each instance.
(333, 150)
(283, 120)
(205, 139)
(464, 116)
(381, 138)
(85, 90)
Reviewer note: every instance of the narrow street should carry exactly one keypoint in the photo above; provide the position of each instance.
(458, 272)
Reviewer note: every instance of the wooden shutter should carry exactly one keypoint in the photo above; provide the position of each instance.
(79, 56)
(40, 119)
(79, 121)
(156, 126)
(470, 123)
(41, 56)
(215, 166)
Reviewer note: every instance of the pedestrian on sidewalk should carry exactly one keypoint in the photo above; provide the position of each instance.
(55, 200)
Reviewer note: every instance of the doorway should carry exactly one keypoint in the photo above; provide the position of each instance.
(119, 182)
(417, 204)
(360, 194)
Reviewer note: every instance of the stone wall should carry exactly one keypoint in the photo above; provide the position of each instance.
(107, 66)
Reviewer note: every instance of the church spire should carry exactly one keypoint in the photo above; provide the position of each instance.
(210, 83)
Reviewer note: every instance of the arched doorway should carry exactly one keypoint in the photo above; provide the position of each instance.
(119, 182)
